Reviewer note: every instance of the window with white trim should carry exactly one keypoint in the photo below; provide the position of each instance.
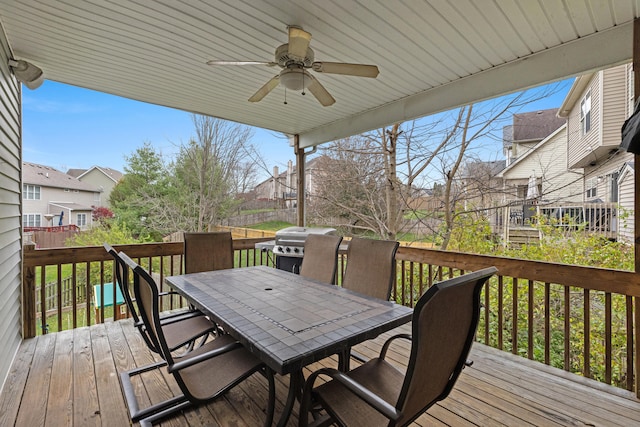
(585, 113)
(30, 192)
(31, 220)
(81, 219)
(591, 187)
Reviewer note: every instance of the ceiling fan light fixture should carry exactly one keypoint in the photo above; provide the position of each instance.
(27, 73)
(295, 78)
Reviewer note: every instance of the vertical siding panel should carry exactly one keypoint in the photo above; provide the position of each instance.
(10, 213)
(579, 144)
(626, 190)
(614, 104)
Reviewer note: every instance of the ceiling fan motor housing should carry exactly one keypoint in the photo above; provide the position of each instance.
(284, 60)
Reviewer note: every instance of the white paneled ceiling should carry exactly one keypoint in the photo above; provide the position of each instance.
(432, 55)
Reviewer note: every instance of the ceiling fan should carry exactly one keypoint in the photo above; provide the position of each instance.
(295, 57)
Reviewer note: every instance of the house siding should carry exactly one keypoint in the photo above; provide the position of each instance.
(100, 181)
(613, 105)
(550, 165)
(581, 145)
(10, 213)
(606, 168)
(626, 195)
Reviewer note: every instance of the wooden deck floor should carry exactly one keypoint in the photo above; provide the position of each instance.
(70, 379)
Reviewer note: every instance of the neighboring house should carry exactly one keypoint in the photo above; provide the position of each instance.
(283, 186)
(52, 198)
(527, 130)
(546, 164)
(103, 178)
(595, 108)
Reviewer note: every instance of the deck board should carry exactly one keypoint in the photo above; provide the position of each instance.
(71, 378)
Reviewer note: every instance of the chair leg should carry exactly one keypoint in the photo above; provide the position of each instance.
(159, 416)
(135, 412)
(177, 404)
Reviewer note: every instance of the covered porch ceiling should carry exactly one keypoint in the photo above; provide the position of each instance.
(432, 55)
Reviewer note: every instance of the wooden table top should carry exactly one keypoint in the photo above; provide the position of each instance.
(287, 320)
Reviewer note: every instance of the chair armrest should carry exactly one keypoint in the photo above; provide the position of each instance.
(385, 346)
(180, 316)
(356, 388)
(165, 293)
(204, 356)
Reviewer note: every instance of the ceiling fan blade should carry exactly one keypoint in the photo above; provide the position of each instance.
(299, 41)
(264, 90)
(360, 70)
(216, 62)
(321, 94)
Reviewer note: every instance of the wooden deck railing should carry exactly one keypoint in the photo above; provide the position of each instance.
(584, 320)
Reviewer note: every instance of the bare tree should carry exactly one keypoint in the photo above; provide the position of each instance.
(410, 155)
(206, 174)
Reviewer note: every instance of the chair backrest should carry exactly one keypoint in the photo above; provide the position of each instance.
(444, 324)
(371, 267)
(320, 260)
(148, 300)
(122, 279)
(207, 251)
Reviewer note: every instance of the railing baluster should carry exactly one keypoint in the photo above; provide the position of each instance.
(514, 316)
(74, 296)
(43, 298)
(487, 310)
(59, 296)
(421, 278)
(403, 282)
(607, 337)
(88, 291)
(411, 284)
(631, 332)
(587, 333)
(567, 328)
(500, 312)
(547, 323)
(530, 320)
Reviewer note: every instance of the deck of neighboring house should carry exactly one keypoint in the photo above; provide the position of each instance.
(70, 378)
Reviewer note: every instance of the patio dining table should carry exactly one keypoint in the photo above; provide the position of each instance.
(286, 320)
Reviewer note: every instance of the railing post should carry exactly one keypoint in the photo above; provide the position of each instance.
(29, 297)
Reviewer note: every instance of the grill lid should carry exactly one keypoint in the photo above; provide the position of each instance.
(290, 241)
(297, 235)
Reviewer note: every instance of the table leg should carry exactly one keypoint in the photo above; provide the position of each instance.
(295, 387)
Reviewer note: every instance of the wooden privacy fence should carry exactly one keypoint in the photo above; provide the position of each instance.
(581, 319)
(68, 295)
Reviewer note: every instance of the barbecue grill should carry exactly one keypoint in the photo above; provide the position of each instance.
(288, 247)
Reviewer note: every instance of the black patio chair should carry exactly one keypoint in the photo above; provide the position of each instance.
(376, 393)
(184, 331)
(202, 374)
(371, 270)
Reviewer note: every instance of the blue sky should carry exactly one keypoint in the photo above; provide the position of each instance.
(69, 127)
